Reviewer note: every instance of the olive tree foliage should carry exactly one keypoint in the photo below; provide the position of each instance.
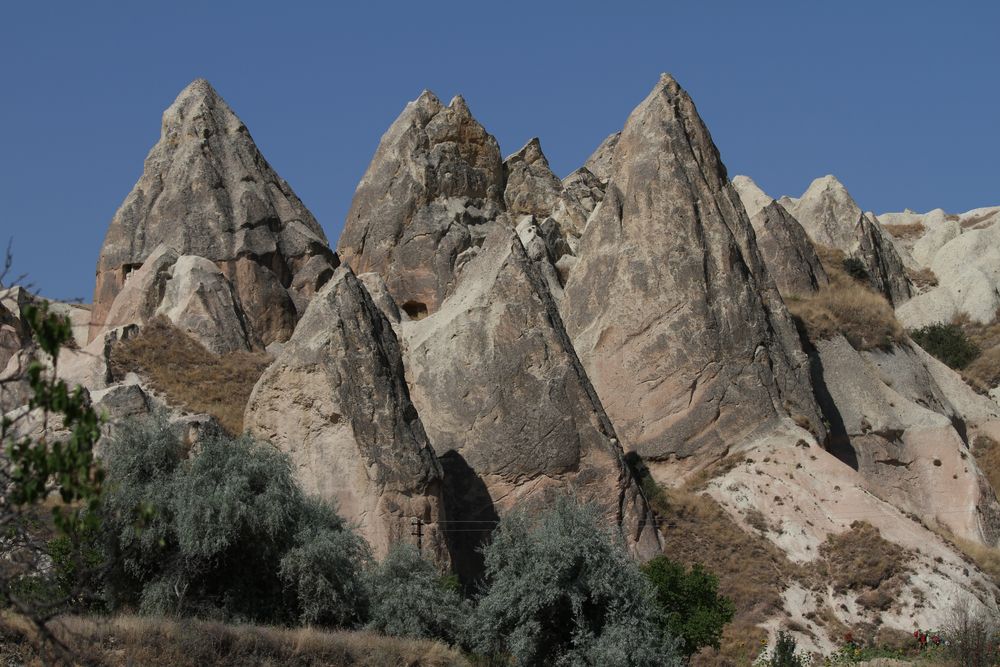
(410, 598)
(562, 590)
(223, 532)
(48, 431)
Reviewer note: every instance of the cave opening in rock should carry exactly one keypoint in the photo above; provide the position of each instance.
(415, 309)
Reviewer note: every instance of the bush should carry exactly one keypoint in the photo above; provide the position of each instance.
(690, 603)
(973, 637)
(410, 598)
(784, 654)
(948, 343)
(225, 533)
(856, 269)
(562, 591)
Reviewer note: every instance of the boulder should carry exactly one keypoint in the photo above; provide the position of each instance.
(670, 307)
(425, 203)
(336, 401)
(207, 191)
(508, 407)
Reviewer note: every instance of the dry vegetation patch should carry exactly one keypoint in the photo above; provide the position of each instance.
(906, 232)
(923, 278)
(846, 306)
(752, 571)
(188, 375)
(861, 560)
(133, 640)
(983, 373)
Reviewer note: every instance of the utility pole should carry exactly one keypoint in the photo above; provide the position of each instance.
(418, 531)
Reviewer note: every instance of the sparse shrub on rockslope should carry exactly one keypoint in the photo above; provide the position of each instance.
(562, 591)
(846, 306)
(690, 602)
(946, 342)
(410, 598)
(860, 560)
(225, 533)
(188, 375)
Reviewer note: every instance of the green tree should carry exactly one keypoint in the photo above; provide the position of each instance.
(49, 446)
(784, 654)
(690, 602)
(225, 532)
(562, 590)
(410, 598)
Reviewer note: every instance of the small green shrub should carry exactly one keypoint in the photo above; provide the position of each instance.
(410, 598)
(856, 269)
(784, 653)
(690, 603)
(948, 343)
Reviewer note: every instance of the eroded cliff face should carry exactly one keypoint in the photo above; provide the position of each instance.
(679, 325)
(427, 199)
(206, 191)
(336, 401)
(833, 219)
(508, 406)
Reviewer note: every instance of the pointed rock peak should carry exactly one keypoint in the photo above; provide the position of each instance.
(199, 111)
(428, 101)
(530, 153)
(754, 199)
(459, 105)
(824, 184)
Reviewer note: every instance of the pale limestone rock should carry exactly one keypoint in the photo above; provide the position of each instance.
(599, 162)
(670, 307)
(335, 400)
(832, 218)
(207, 191)
(431, 192)
(199, 300)
(508, 407)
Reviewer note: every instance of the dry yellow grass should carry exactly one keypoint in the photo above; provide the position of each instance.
(847, 307)
(134, 640)
(189, 375)
(922, 278)
(913, 230)
(983, 373)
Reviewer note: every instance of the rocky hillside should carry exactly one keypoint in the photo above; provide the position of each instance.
(646, 329)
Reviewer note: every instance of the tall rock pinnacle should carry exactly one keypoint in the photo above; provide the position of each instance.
(207, 191)
(435, 181)
(670, 307)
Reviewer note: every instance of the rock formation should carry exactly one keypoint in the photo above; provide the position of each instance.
(677, 321)
(207, 191)
(335, 400)
(787, 252)
(507, 404)
(425, 202)
(831, 218)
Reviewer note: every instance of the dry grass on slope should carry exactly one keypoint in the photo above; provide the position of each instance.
(983, 373)
(861, 560)
(751, 570)
(910, 231)
(134, 640)
(188, 375)
(846, 306)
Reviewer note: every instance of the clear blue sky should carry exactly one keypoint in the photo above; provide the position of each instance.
(899, 99)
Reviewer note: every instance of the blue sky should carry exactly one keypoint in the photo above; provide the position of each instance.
(898, 99)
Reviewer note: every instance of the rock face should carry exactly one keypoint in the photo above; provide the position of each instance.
(831, 218)
(599, 162)
(335, 400)
(425, 202)
(907, 434)
(962, 252)
(786, 250)
(207, 191)
(677, 321)
(507, 404)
